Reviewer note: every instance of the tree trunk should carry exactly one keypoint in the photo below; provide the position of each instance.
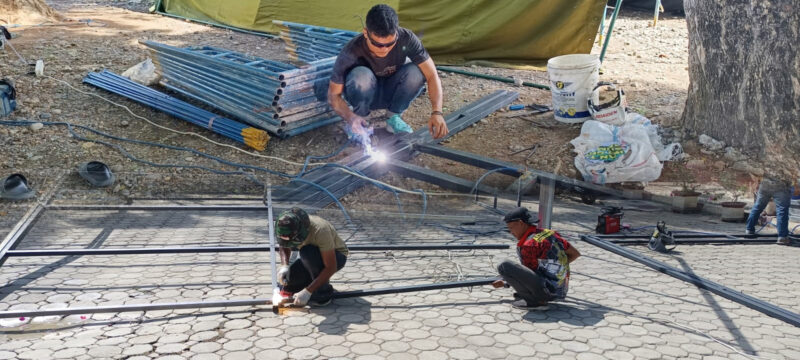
(744, 64)
(26, 12)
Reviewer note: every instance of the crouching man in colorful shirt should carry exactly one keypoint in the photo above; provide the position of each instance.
(543, 274)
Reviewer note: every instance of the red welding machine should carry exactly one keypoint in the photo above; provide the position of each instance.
(609, 221)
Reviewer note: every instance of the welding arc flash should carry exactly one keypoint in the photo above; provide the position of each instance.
(378, 156)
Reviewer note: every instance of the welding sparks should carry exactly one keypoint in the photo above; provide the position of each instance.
(378, 156)
(276, 296)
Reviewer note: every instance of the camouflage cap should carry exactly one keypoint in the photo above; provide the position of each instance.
(293, 223)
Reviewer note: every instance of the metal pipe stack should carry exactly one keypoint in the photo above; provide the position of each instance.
(278, 97)
(106, 80)
(309, 43)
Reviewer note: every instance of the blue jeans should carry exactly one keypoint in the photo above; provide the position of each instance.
(306, 268)
(365, 92)
(781, 192)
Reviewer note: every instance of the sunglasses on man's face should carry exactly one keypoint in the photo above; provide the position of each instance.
(381, 45)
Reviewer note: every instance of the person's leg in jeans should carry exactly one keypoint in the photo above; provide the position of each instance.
(783, 199)
(400, 89)
(360, 89)
(526, 282)
(762, 199)
(311, 258)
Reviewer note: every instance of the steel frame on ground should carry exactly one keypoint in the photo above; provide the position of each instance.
(702, 283)
(25, 225)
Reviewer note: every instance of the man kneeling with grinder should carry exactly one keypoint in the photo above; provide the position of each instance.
(321, 254)
(543, 274)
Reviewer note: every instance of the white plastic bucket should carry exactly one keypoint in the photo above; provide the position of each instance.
(572, 78)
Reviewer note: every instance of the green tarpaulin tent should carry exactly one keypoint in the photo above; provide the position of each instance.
(515, 32)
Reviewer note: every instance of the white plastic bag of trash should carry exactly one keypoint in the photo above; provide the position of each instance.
(613, 154)
(143, 73)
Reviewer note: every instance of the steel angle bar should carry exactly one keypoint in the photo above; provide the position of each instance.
(137, 307)
(19, 231)
(701, 241)
(230, 249)
(413, 288)
(468, 158)
(441, 179)
(156, 208)
(236, 303)
(702, 283)
(701, 235)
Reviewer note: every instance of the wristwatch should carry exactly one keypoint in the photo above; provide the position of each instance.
(436, 113)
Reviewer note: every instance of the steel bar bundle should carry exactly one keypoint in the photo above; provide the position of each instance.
(281, 98)
(106, 80)
(310, 43)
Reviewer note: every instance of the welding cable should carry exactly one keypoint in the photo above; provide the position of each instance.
(142, 142)
(322, 157)
(378, 184)
(475, 187)
(120, 148)
(339, 204)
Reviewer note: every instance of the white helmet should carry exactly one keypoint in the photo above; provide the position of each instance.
(611, 111)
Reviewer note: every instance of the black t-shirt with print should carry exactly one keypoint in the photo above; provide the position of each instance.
(356, 53)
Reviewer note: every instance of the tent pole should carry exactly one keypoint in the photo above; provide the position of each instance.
(610, 28)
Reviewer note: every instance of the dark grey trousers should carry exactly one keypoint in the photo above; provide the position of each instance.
(306, 268)
(528, 284)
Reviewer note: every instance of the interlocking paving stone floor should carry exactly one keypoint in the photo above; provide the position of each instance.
(616, 308)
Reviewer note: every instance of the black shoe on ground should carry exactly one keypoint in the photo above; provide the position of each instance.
(320, 303)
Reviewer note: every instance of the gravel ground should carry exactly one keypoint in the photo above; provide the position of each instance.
(649, 62)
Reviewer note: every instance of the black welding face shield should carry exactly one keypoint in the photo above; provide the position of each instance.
(291, 227)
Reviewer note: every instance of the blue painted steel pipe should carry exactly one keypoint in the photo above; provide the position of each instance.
(109, 81)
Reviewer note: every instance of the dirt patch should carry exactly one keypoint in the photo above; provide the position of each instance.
(27, 12)
(649, 63)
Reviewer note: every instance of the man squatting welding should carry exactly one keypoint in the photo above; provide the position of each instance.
(543, 274)
(371, 73)
(321, 253)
